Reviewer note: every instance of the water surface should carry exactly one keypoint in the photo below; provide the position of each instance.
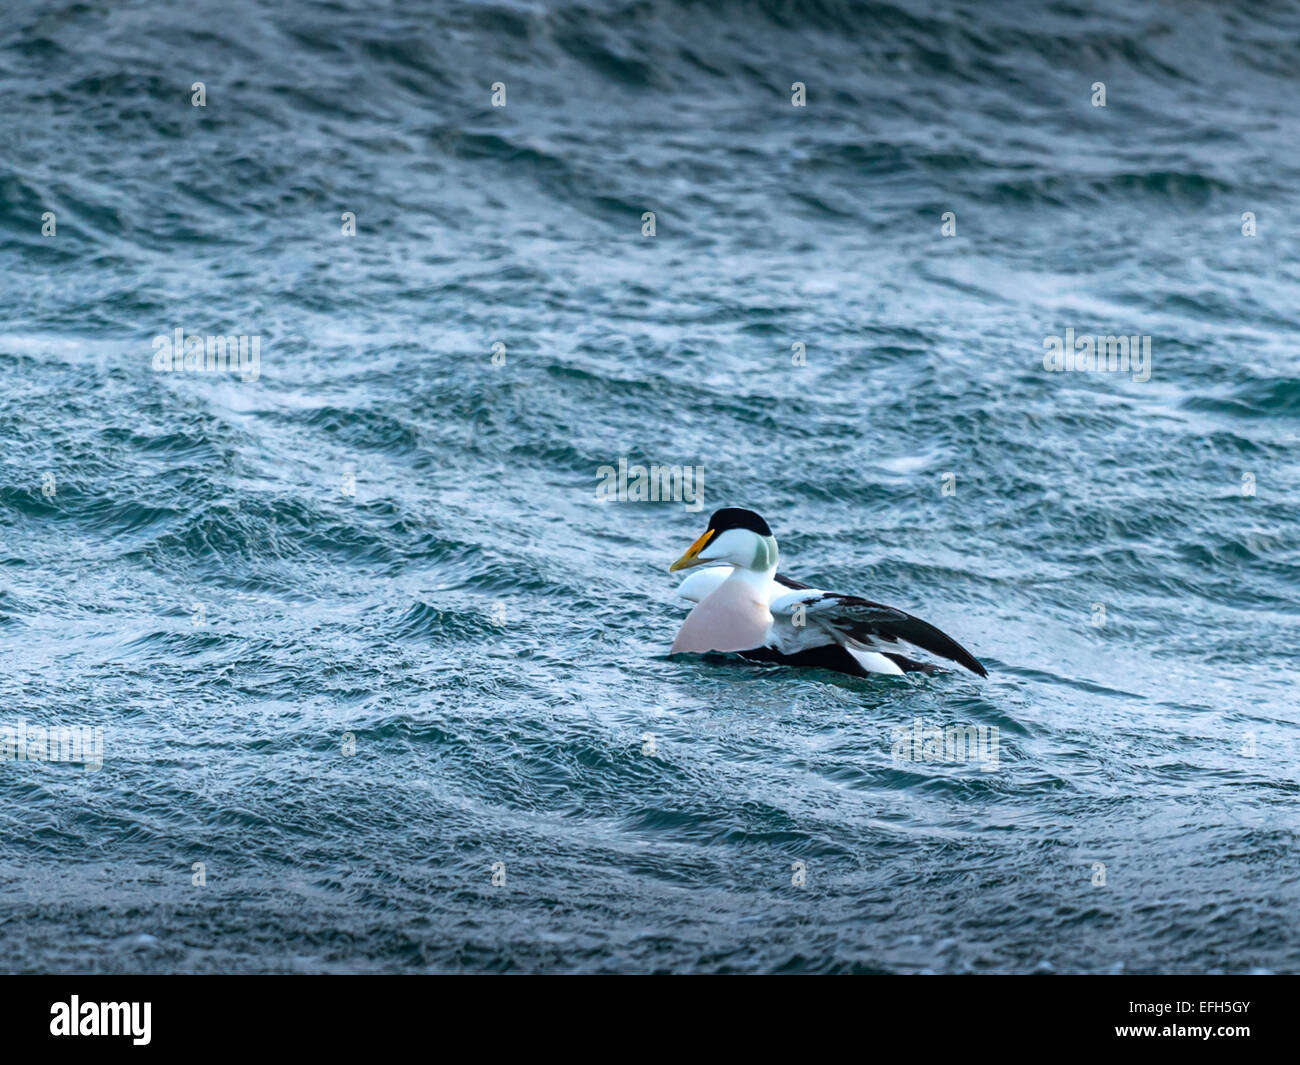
(388, 545)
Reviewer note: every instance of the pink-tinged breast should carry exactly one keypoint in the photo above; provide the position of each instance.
(728, 619)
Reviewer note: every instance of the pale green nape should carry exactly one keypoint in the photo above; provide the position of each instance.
(765, 554)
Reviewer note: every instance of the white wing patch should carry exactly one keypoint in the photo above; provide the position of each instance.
(705, 580)
(874, 663)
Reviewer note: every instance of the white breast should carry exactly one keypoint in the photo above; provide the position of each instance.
(731, 618)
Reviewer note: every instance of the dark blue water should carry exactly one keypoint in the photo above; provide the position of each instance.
(356, 629)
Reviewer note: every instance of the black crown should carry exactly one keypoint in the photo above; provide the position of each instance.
(737, 518)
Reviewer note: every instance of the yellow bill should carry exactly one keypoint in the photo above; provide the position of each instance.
(691, 558)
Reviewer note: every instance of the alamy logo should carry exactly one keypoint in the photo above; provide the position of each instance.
(1089, 354)
(83, 744)
(179, 353)
(653, 484)
(102, 1018)
(955, 744)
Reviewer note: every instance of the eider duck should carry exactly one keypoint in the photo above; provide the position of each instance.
(744, 606)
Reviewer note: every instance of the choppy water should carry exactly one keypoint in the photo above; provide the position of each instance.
(515, 734)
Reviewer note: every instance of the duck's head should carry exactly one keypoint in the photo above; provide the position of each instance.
(736, 537)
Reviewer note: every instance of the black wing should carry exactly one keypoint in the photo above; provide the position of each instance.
(874, 623)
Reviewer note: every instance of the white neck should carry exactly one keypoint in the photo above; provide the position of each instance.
(758, 580)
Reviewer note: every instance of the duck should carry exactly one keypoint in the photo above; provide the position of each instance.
(744, 606)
